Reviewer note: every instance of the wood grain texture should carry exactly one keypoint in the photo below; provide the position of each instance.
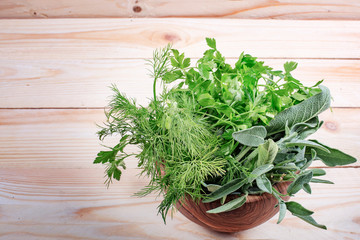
(258, 9)
(257, 210)
(60, 39)
(74, 204)
(65, 138)
(85, 83)
(49, 188)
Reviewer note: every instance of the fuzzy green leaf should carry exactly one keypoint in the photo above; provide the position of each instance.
(297, 209)
(282, 211)
(303, 143)
(212, 187)
(316, 180)
(311, 220)
(307, 188)
(301, 112)
(259, 171)
(299, 182)
(225, 190)
(267, 152)
(232, 205)
(264, 183)
(251, 137)
(333, 157)
(318, 172)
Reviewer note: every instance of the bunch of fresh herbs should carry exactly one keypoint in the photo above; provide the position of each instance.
(218, 129)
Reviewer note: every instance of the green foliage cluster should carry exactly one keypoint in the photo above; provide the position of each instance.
(218, 129)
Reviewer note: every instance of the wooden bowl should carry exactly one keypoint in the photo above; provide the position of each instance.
(257, 210)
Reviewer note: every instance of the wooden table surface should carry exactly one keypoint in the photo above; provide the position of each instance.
(55, 75)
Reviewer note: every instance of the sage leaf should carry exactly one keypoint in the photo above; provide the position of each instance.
(299, 182)
(301, 112)
(307, 188)
(225, 190)
(316, 180)
(318, 172)
(251, 137)
(267, 152)
(282, 211)
(259, 171)
(232, 205)
(306, 143)
(297, 209)
(212, 187)
(311, 220)
(333, 157)
(264, 183)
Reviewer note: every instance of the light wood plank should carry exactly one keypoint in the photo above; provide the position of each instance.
(264, 9)
(66, 138)
(85, 83)
(74, 204)
(136, 38)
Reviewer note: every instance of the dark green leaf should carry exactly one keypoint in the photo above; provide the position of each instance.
(301, 112)
(316, 180)
(259, 171)
(335, 157)
(298, 183)
(303, 143)
(318, 172)
(276, 101)
(232, 205)
(264, 183)
(310, 220)
(107, 156)
(307, 188)
(297, 209)
(116, 173)
(225, 190)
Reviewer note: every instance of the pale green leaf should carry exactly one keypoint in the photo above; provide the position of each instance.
(264, 183)
(251, 137)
